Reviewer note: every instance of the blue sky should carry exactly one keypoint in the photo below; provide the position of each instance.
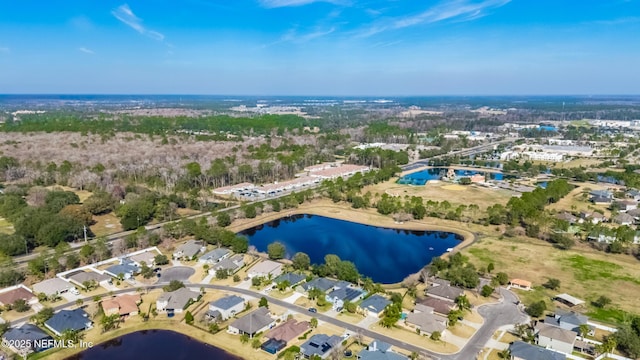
(330, 47)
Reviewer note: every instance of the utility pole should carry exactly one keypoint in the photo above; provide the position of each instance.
(84, 227)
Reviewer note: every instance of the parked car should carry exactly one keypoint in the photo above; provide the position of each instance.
(313, 310)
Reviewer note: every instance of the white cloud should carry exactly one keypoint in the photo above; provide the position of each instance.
(86, 51)
(4, 50)
(284, 3)
(459, 10)
(126, 15)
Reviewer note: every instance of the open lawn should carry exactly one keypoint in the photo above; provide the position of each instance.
(410, 337)
(106, 224)
(462, 330)
(577, 201)
(583, 272)
(441, 191)
(5, 226)
(580, 162)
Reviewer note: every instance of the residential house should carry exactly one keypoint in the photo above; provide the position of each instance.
(595, 217)
(214, 256)
(623, 219)
(626, 205)
(125, 269)
(53, 286)
(289, 330)
(189, 250)
(293, 279)
(266, 268)
(565, 216)
(568, 300)
(256, 321)
(520, 284)
(25, 338)
(523, 351)
(633, 194)
(379, 350)
(635, 213)
(424, 319)
(19, 292)
(601, 197)
(445, 292)
(231, 265)
(320, 345)
(569, 320)
(339, 295)
(63, 320)
(601, 238)
(147, 257)
(226, 307)
(123, 305)
(82, 278)
(322, 284)
(374, 305)
(176, 301)
(442, 307)
(556, 338)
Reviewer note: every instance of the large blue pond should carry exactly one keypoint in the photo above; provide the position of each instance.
(153, 344)
(385, 255)
(421, 177)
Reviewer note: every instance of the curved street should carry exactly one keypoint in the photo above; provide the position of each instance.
(495, 315)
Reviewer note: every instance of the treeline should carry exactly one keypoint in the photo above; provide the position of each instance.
(211, 234)
(383, 132)
(156, 125)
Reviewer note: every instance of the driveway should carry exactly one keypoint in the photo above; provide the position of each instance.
(180, 273)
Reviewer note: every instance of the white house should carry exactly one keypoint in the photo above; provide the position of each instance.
(265, 268)
(226, 307)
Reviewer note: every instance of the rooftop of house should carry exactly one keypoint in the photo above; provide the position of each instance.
(427, 322)
(147, 257)
(448, 292)
(623, 218)
(254, 321)
(569, 317)
(292, 278)
(265, 267)
(227, 302)
(215, 254)
(322, 284)
(556, 333)
(375, 303)
(232, 263)
(82, 276)
(76, 319)
(345, 294)
(288, 330)
(569, 299)
(320, 344)
(520, 282)
(27, 332)
(52, 286)
(439, 306)
(190, 248)
(178, 299)
(125, 267)
(11, 296)
(123, 304)
(522, 350)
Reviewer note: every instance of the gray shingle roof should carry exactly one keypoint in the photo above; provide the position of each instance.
(379, 355)
(68, 319)
(322, 284)
(227, 302)
(556, 333)
(319, 344)
(292, 278)
(25, 332)
(375, 303)
(178, 299)
(526, 351)
(214, 255)
(190, 248)
(345, 294)
(253, 321)
(447, 292)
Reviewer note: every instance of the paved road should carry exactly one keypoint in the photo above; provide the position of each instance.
(496, 315)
